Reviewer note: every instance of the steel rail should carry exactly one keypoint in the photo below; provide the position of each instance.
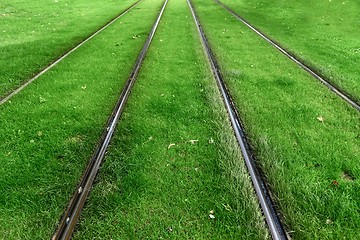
(303, 65)
(71, 215)
(24, 85)
(271, 216)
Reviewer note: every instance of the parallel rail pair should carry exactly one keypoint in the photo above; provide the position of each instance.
(75, 206)
(70, 217)
(72, 213)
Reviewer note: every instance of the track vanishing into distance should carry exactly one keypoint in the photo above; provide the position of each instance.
(275, 226)
(74, 208)
(26, 83)
(72, 213)
(303, 65)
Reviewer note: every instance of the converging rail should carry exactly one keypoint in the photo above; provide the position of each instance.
(271, 216)
(24, 85)
(71, 215)
(294, 59)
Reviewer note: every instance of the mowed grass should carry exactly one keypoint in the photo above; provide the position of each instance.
(324, 34)
(174, 160)
(49, 130)
(304, 137)
(35, 33)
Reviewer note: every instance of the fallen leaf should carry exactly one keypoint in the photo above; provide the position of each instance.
(171, 145)
(211, 216)
(83, 87)
(193, 141)
(211, 140)
(335, 183)
(347, 176)
(328, 221)
(227, 207)
(320, 119)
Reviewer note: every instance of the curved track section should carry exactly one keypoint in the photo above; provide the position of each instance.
(71, 215)
(307, 68)
(24, 85)
(271, 216)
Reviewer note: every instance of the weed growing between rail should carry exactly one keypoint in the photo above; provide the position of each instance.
(173, 170)
(49, 130)
(305, 138)
(325, 34)
(35, 33)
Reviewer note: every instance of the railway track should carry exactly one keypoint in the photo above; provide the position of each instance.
(275, 226)
(303, 65)
(72, 213)
(24, 85)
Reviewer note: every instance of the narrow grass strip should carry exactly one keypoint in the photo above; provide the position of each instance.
(305, 138)
(25, 84)
(44, 151)
(174, 169)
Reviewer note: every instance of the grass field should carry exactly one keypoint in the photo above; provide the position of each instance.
(173, 169)
(305, 138)
(322, 33)
(35, 33)
(174, 159)
(49, 130)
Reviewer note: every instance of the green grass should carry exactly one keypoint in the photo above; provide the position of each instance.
(324, 34)
(35, 33)
(305, 138)
(49, 130)
(158, 184)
